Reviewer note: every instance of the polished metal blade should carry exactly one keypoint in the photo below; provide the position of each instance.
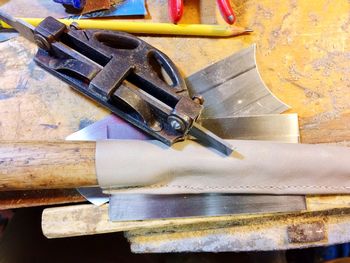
(131, 207)
(210, 139)
(94, 195)
(25, 29)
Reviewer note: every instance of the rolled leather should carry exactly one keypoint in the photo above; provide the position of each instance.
(255, 167)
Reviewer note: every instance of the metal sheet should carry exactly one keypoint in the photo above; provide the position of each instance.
(233, 87)
(94, 195)
(128, 207)
(26, 30)
(272, 127)
(110, 127)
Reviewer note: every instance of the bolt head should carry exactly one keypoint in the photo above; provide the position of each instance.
(42, 42)
(175, 125)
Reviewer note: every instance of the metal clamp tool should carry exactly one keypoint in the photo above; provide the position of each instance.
(124, 74)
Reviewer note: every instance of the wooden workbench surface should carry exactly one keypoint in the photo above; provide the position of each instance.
(303, 55)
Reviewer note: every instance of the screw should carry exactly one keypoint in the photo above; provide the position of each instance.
(198, 99)
(176, 123)
(74, 25)
(42, 42)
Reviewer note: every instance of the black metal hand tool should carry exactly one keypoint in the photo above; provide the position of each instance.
(123, 73)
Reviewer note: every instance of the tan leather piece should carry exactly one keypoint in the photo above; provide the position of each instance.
(259, 167)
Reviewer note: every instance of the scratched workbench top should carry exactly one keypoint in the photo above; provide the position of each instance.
(303, 54)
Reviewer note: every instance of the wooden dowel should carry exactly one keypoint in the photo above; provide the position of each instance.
(46, 165)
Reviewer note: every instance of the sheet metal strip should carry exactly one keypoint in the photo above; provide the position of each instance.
(272, 127)
(126, 207)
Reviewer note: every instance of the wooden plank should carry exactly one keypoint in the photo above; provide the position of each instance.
(270, 233)
(89, 219)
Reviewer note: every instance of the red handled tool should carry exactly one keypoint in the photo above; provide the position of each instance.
(226, 11)
(176, 8)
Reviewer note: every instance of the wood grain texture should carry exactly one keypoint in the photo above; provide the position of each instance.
(224, 233)
(43, 197)
(89, 219)
(42, 165)
(258, 234)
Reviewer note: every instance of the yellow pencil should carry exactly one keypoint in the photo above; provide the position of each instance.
(149, 28)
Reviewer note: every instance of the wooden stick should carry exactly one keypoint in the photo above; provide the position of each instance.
(46, 165)
(88, 219)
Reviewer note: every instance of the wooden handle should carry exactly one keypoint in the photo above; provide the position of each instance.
(46, 165)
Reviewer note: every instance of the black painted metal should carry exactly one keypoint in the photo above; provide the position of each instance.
(121, 72)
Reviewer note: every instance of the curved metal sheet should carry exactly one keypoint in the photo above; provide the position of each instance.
(233, 87)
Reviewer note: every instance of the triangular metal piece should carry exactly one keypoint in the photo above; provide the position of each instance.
(110, 127)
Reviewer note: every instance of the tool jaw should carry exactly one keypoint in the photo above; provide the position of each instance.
(121, 72)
